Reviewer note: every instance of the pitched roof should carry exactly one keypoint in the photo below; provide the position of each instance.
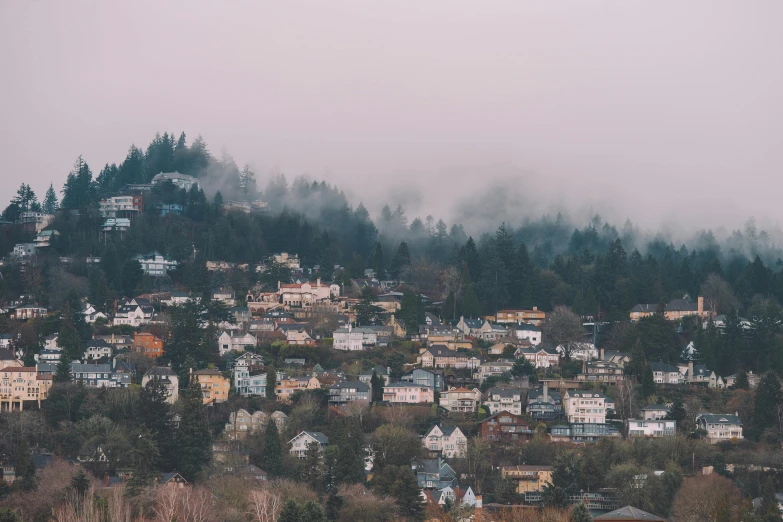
(317, 435)
(681, 305)
(629, 513)
(378, 369)
(645, 308)
(527, 327)
(7, 355)
(719, 418)
(652, 407)
(504, 392)
(663, 367)
(360, 386)
(160, 371)
(440, 350)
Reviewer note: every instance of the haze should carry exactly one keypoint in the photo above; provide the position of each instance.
(665, 112)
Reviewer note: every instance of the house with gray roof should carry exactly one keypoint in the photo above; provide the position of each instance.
(629, 514)
(433, 473)
(720, 427)
(449, 440)
(300, 443)
(345, 392)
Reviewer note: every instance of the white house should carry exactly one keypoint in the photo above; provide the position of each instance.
(449, 440)
(585, 406)
(22, 250)
(91, 314)
(182, 181)
(539, 357)
(155, 264)
(168, 377)
(720, 427)
(494, 369)
(134, 312)
(666, 373)
(581, 351)
(354, 339)
(50, 342)
(305, 294)
(461, 400)
(528, 332)
(651, 428)
(655, 411)
(97, 349)
(300, 443)
(238, 343)
(504, 399)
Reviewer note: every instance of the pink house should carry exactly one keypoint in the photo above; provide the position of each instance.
(408, 393)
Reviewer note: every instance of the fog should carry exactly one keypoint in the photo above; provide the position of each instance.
(667, 113)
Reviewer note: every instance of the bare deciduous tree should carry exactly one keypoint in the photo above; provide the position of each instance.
(563, 329)
(718, 295)
(264, 506)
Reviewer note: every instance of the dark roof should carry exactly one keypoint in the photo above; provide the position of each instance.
(317, 435)
(716, 418)
(505, 412)
(504, 392)
(360, 386)
(656, 407)
(165, 477)
(441, 350)
(629, 513)
(161, 371)
(646, 308)
(378, 369)
(97, 343)
(681, 305)
(527, 326)
(663, 367)
(7, 355)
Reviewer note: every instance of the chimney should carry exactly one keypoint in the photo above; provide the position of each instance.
(278, 285)
(690, 370)
(700, 305)
(546, 391)
(535, 309)
(318, 283)
(106, 480)
(601, 354)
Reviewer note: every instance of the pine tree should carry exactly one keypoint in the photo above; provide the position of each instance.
(50, 201)
(350, 456)
(334, 503)
(80, 484)
(271, 380)
(401, 259)
(311, 511)
(470, 303)
(25, 467)
(155, 415)
(272, 458)
(376, 385)
(648, 382)
(742, 381)
(193, 436)
(63, 372)
(579, 513)
(68, 337)
(405, 491)
(144, 456)
(768, 397)
(290, 512)
(677, 412)
(313, 467)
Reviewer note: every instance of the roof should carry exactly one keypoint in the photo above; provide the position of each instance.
(681, 305)
(528, 327)
(446, 430)
(645, 308)
(360, 386)
(504, 412)
(523, 467)
(441, 350)
(166, 477)
(535, 394)
(160, 371)
(629, 513)
(87, 368)
(381, 371)
(7, 355)
(663, 367)
(208, 372)
(718, 418)
(651, 407)
(585, 393)
(317, 435)
(504, 392)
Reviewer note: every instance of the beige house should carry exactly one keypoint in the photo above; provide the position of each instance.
(460, 400)
(529, 479)
(241, 422)
(439, 356)
(585, 406)
(720, 427)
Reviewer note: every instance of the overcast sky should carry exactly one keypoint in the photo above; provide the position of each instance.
(662, 112)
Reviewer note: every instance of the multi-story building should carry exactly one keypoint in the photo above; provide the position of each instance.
(241, 422)
(346, 392)
(494, 369)
(148, 344)
(381, 371)
(424, 377)
(528, 478)
(666, 373)
(99, 376)
(285, 387)
(582, 432)
(181, 181)
(528, 332)
(168, 377)
(408, 393)
(24, 250)
(720, 427)
(438, 356)
(460, 400)
(674, 310)
(214, 385)
(700, 374)
(534, 316)
(354, 339)
(585, 406)
(248, 377)
(303, 295)
(539, 357)
(543, 404)
(123, 205)
(449, 440)
(655, 412)
(20, 384)
(155, 264)
(506, 427)
(651, 428)
(504, 399)
(433, 473)
(134, 312)
(290, 261)
(238, 343)
(96, 349)
(601, 371)
(25, 312)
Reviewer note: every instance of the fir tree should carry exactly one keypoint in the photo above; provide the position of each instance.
(648, 382)
(742, 381)
(50, 201)
(193, 436)
(271, 380)
(579, 513)
(313, 467)
(290, 512)
(333, 504)
(768, 397)
(144, 456)
(311, 511)
(156, 417)
(80, 484)
(272, 458)
(377, 387)
(401, 259)
(405, 491)
(350, 457)
(25, 467)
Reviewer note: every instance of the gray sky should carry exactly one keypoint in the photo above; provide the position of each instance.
(664, 112)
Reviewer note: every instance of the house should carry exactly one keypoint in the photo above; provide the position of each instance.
(699, 374)
(674, 310)
(720, 323)
(585, 406)
(169, 208)
(408, 393)
(470, 326)
(506, 427)
(582, 432)
(528, 332)
(439, 356)
(148, 344)
(5, 341)
(91, 315)
(303, 295)
(543, 404)
(345, 392)
(494, 369)
(181, 181)
(23, 313)
(214, 385)
(534, 316)
(456, 496)
(246, 365)
(529, 479)
(96, 349)
(629, 514)
(720, 427)
(504, 399)
(298, 336)
(491, 332)
(753, 379)
(666, 373)
(155, 264)
(134, 312)
(118, 341)
(290, 261)
(50, 342)
(424, 377)
(499, 348)
(539, 357)
(651, 428)
(20, 384)
(237, 343)
(173, 480)
(614, 356)
(241, 422)
(224, 296)
(381, 371)
(601, 371)
(24, 250)
(99, 376)
(655, 411)
(48, 356)
(116, 224)
(461, 400)
(44, 238)
(449, 440)
(168, 377)
(580, 351)
(287, 386)
(433, 473)
(300, 443)
(398, 327)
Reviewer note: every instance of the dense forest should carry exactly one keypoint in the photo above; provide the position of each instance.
(595, 268)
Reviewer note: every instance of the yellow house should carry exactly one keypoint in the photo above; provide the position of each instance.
(214, 386)
(398, 327)
(528, 478)
(534, 316)
(20, 384)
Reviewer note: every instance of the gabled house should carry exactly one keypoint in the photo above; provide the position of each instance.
(528, 479)
(214, 385)
(408, 393)
(425, 377)
(528, 332)
(354, 339)
(343, 393)
(96, 349)
(543, 404)
(506, 427)
(439, 356)
(237, 343)
(449, 440)
(666, 373)
(460, 400)
(655, 411)
(470, 327)
(629, 514)
(539, 357)
(504, 399)
(720, 426)
(298, 337)
(601, 371)
(134, 312)
(494, 369)
(700, 374)
(169, 379)
(433, 473)
(173, 479)
(491, 332)
(585, 406)
(381, 371)
(148, 344)
(300, 443)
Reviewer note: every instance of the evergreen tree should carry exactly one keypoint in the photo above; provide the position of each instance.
(333, 504)
(768, 397)
(377, 387)
(405, 491)
(648, 382)
(313, 467)
(311, 511)
(50, 201)
(144, 457)
(579, 513)
(401, 259)
(68, 337)
(272, 458)
(271, 380)
(742, 381)
(350, 457)
(193, 436)
(155, 416)
(376, 262)
(677, 412)
(80, 484)
(470, 303)
(290, 512)
(450, 307)
(25, 467)
(63, 372)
